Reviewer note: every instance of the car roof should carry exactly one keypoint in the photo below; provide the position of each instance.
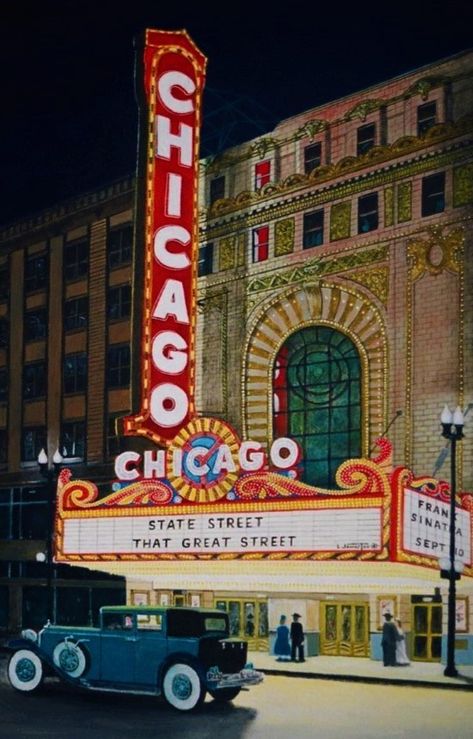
(151, 609)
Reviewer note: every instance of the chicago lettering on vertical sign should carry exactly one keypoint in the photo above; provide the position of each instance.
(174, 80)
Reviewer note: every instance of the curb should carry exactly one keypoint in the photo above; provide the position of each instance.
(367, 679)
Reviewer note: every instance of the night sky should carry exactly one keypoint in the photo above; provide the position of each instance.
(69, 115)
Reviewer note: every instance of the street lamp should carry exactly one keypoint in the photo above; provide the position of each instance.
(50, 473)
(452, 429)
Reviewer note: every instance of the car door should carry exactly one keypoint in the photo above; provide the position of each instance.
(118, 649)
(151, 648)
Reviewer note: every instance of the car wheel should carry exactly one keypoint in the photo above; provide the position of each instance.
(70, 658)
(224, 694)
(182, 687)
(25, 671)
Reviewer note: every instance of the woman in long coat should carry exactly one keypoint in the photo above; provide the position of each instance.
(282, 650)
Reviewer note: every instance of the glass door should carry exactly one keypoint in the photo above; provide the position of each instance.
(427, 636)
(344, 629)
(248, 620)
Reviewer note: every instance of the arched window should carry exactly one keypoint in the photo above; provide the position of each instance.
(317, 400)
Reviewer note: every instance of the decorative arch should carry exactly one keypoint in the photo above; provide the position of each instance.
(324, 304)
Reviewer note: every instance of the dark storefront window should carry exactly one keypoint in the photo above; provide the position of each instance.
(76, 259)
(34, 513)
(75, 314)
(36, 324)
(75, 373)
(36, 273)
(120, 239)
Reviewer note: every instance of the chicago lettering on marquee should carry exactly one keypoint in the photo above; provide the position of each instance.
(174, 78)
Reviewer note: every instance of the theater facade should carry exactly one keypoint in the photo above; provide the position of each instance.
(302, 312)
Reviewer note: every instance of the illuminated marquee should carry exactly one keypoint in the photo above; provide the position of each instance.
(174, 80)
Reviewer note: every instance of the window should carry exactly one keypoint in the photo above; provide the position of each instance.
(313, 229)
(3, 384)
(206, 258)
(33, 513)
(426, 117)
(3, 447)
(32, 441)
(217, 189)
(114, 446)
(3, 332)
(316, 400)
(4, 283)
(365, 138)
(119, 302)
(118, 373)
(433, 194)
(34, 380)
(262, 174)
(36, 273)
(36, 324)
(73, 439)
(260, 243)
(75, 373)
(120, 240)
(312, 157)
(368, 213)
(76, 312)
(76, 259)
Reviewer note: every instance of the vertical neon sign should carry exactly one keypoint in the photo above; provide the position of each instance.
(174, 72)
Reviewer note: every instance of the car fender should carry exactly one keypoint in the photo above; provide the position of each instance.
(16, 644)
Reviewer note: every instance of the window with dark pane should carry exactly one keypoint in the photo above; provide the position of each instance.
(118, 369)
(73, 439)
(33, 439)
(206, 259)
(34, 513)
(313, 229)
(119, 302)
(317, 400)
(36, 273)
(3, 448)
(36, 324)
(260, 243)
(426, 117)
(75, 373)
(312, 157)
(76, 259)
(34, 380)
(4, 330)
(76, 313)
(368, 213)
(217, 189)
(119, 245)
(4, 283)
(365, 138)
(433, 194)
(3, 384)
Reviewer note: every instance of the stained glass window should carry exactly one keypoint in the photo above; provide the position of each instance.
(317, 400)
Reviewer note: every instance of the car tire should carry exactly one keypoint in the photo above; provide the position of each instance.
(182, 687)
(25, 671)
(224, 694)
(70, 658)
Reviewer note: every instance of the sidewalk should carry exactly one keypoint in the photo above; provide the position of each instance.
(365, 670)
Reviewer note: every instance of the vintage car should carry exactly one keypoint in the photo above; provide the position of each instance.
(180, 653)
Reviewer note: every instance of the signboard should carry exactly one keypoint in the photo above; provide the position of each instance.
(174, 78)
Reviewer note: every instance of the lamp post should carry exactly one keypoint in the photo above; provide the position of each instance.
(50, 473)
(452, 429)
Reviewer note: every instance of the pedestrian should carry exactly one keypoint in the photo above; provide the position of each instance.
(401, 653)
(282, 649)
(389, 641)
(250, 625)
(297, 639)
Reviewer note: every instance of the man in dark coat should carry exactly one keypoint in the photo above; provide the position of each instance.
(388, 642)
(297, 639)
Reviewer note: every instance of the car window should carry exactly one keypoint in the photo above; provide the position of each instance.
(214, 623)
(150, 622)
(117, 621)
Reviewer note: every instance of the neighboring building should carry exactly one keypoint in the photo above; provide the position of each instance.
(335, 263)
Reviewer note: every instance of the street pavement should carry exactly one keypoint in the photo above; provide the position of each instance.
(361, 669)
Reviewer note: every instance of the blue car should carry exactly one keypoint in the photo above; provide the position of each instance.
(181, 653)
